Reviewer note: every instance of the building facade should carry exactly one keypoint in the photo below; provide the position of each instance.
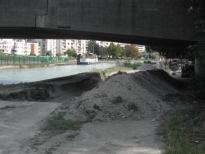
(51, 46)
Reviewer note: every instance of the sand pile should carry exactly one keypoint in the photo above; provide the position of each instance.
(126, 96)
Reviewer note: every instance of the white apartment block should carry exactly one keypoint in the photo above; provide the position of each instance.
(23, 46)
(15, 46)
(103, 43)
(61, 46)
(6, 45)
(79, 45)
(107, 44)
(51, 46)
(47, 45)
(141, 48)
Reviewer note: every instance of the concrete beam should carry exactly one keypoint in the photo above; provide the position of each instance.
(124, 20)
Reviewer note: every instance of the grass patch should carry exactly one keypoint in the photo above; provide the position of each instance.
(184, 133)
(123, 67)
(72, 136)
(149, 62)
(59, 124)
(132, 65)
(167, 70)
(48, 152)
(35, 65)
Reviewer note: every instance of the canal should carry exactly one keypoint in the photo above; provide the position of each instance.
(14, 76)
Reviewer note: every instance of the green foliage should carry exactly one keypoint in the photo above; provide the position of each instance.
(118, 51)
(182, 131)
(124, 67)
(71, 52)
(123, 54)
(72, 136)
(143, 54)
(149, 62)
(2, 54)
(114, 50)
(1, 85)
(59, 124)
(130, 65)
(58, 54)
(103, 52)
(198, 7)
(32, 54)
(111, 50)
(199, 87)
(93, 47)
(48, 152)
(198, 50)
(48, 53)
(131, 51)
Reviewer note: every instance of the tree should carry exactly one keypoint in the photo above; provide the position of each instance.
(114, 50)
(71, 52)
(93, 47)
(123, 53)
(48, 53)
(143, 54)
(103, 51)
(111, 49)
(118, 51)
(131, 51)
(32, 54)
(58, 54)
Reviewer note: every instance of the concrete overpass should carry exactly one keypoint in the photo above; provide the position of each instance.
(149, 22)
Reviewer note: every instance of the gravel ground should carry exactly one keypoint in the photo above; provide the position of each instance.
(122, 114)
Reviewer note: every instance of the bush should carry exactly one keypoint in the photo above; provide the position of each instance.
(149, 62)
(60, 124)
(199, 88)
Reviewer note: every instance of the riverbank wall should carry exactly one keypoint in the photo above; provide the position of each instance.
(20, 66)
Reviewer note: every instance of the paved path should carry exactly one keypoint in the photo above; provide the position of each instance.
(18, 121)
(115, 137)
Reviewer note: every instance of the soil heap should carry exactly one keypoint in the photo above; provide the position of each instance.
(126, 96)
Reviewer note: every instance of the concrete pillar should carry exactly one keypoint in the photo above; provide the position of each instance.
(200, 66)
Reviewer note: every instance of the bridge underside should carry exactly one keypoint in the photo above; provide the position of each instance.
(149, 22)
(43, 33)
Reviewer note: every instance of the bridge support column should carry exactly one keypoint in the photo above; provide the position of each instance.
(200, 66)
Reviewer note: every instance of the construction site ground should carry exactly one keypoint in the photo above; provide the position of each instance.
(121, 113)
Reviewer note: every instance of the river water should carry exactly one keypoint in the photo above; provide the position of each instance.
(14, 76)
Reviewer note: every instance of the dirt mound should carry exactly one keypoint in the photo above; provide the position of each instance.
(30, 94)
(126, 96)
(165, 77)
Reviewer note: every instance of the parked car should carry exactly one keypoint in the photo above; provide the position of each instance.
(175, 61)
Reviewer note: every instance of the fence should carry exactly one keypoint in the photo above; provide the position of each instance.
(14, 60)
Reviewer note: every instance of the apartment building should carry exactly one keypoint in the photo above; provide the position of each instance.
(141, 48)
(7, 45)
(15, 46)
(79, 45)
(41, 46)
(34, 48)
(61, 46)
(46, 45)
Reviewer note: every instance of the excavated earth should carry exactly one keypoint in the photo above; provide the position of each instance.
(121, 114)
